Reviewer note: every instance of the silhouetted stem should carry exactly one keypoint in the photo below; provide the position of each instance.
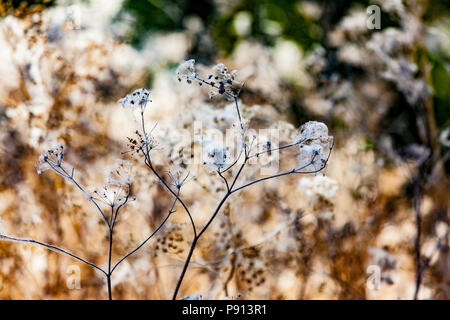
(52, 247)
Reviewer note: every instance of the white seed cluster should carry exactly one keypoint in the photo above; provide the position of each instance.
(118, 180)
(52, 159)
(315, 145)
(186, 71)
(214, 155)
(137, 99)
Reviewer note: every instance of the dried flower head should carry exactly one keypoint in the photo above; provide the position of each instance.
(312, 130)
(214, 155)
(138, 99)
(111, 195)
(177, 179)
(314, 145)
(117, 184)
(311, 157)
(119, 175)
(186, 70)
(222, 81)
(141, 143)
(52, 159)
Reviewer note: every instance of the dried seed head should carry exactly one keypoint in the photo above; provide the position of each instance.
(137, 99)
(52, 159)
(178, 179)
(214, 155)
(186, 71)
(121, 174)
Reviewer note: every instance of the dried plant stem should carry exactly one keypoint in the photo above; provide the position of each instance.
(108, 277)
(71, 178)
(229, 192)
(185, 266)
(110, 224)
(149, 164)
(238, 111)
(149, 237)
(221, 203)
(52, 247)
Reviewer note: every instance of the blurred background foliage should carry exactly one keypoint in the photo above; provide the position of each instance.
(225, 23)
(228, 22)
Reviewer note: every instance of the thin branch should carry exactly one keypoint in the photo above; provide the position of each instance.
(224, 180)
(71, 178)
(108, 276)
(238, 111)
(292, 171)
(234, 162)
(194, 243)
(94, 202)
(214, 214)
(197, 237)
(276, 149)
(230, 189)
(120, 207)
(213, 85)
(238, 174)
(149, 164)
(148, 238)
(112, 215)
(49, 246)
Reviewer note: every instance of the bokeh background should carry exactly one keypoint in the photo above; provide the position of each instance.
(384, 95)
